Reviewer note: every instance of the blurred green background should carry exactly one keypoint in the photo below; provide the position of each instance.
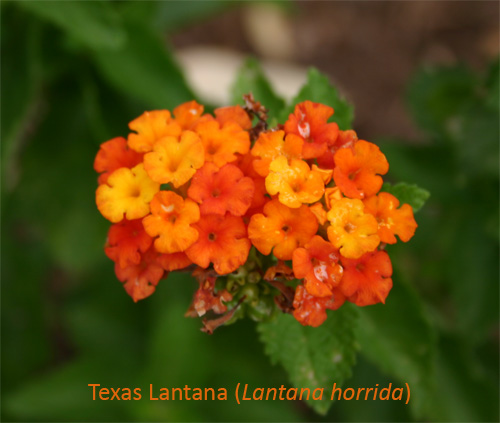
(75, 73)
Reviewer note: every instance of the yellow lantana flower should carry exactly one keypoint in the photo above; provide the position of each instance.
(352, 231)
(175, 160)
(150, 127)
(127, 193)
(295, 182)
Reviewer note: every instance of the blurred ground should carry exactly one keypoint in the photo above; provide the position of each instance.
(387, 41)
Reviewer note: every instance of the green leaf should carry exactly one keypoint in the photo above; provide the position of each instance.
(145, 69)
(319, 90)
(408, 193)
(437, 95)
(93, 23)
(251, 79)
(170, 16)
(398, 338)
(313, 357)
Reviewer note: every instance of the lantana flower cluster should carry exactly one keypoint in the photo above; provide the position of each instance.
(288, 218)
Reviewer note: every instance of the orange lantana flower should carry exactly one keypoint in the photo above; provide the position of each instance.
(281, 229)
(126, 241)
(223, 241)
(270, 145)
(391, 219)
(112, 155)
(188, 114)
(127, 193)
(326, 174)
(331, 196)
(174, 261)
(221, 190)
(295, 182)
(345, 139)
(317, 264)
(175, 160)
(223, 143)
(171, 219)
(310, 310)
(259, 198)
(233, 114)
(357, 170)
(367, 280)
(320, 212)
(310, 121)
(352, 230)
(150, 127)
(140, 280)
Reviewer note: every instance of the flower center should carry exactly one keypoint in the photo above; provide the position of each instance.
(353, 175)
(211, 149)
(349, 228)
(212, 237)
(135, 192)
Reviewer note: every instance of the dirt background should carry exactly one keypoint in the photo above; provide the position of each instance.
(369, 49)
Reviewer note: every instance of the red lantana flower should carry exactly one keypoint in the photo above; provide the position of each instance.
(317, 264)
(310, 121)
(310, 310)
(126, 241)
(345, 139)
(140, 280)
(174, 261)
(112, 155)
(221, 190)
(367, 280)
